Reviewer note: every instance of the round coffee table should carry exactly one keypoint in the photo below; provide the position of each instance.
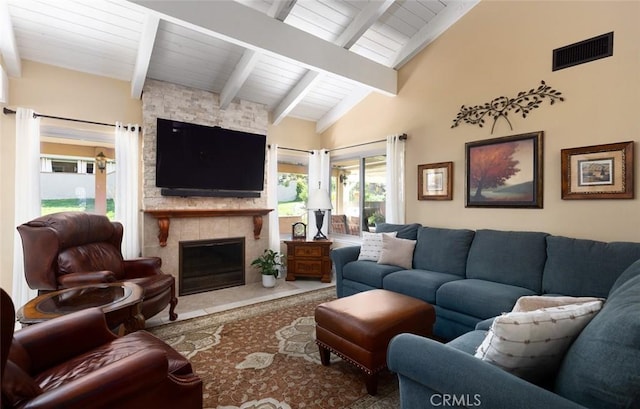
(120, 302)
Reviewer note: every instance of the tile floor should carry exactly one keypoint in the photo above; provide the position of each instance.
(190, 306)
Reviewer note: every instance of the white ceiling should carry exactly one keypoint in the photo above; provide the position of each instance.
(309, 59)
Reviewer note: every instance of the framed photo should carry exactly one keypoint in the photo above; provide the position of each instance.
(505, 172)
(598, 172)
(298, 231)
(435, 181)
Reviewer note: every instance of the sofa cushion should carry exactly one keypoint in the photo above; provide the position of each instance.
(601, 369)
(508, 257)
(372, 245)
(585, 267)
(443, 250)
(367, 272)
(396, 251)
(405, 231)
(452, 324)
(479, 298)
(420, 284)
(531, 344)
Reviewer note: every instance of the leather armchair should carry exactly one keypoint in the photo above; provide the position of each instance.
(75, 361)
(68, 249)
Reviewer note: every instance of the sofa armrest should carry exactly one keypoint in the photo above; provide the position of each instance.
(341, 256)
(142, 267)
(86, 277)
(109, 386)
(52, 342)
(430, 372)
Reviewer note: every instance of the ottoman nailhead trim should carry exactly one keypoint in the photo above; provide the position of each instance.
(351, 361)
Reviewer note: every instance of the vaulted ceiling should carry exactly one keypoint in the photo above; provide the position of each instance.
(309, 59)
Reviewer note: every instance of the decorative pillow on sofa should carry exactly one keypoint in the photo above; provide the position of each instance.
(397, 252)
(535, 302)
(532, 344)
(372, 245)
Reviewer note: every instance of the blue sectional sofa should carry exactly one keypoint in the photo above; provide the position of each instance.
(601, 369)
(472, 276)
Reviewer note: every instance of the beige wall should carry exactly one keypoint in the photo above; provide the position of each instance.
(501, 48)
(295, 133)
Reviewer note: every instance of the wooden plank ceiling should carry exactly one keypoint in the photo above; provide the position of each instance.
(309, 59)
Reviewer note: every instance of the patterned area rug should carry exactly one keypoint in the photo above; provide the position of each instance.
(264, 356)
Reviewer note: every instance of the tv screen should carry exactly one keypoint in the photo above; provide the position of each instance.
(191, 156)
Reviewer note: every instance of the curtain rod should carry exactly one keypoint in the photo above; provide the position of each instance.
(402, 137)
(8, 111)
(292, 149)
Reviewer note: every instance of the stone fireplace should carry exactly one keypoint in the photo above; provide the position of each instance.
(219, 218)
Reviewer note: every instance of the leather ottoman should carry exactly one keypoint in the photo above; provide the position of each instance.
(358, 328)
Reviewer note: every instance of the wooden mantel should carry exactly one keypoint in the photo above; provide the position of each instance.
(164, 215)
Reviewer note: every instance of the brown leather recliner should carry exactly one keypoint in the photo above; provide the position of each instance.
(68, 249)
(75, 361)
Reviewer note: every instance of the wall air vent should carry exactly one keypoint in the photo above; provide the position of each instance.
(583, 51)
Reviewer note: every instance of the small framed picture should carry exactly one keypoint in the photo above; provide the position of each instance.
(298, 231)
(435, 181)
(598, 172)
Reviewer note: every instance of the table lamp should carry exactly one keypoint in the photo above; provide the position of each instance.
(319, 201)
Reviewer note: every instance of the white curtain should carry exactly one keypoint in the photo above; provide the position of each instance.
(319, 177)
(26, 194)
(272, 198)
(126, 197)
(395, 202)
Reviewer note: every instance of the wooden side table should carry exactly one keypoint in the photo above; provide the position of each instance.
(309, 259)
(120, 302)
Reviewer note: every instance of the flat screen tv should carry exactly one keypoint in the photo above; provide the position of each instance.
(199, 160)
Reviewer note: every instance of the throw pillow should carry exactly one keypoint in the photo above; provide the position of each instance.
(372, 245)
(531, 344)
(535, 302)
(397, 252)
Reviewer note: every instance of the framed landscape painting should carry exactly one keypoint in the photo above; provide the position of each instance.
(435, 181)
(598, 172)
(505, 172)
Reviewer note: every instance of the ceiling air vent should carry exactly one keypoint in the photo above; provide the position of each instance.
(583, 51)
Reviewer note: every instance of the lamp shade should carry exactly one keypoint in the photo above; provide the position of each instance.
(319, 200)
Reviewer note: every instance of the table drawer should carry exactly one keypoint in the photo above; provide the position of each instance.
(308, 267)
(308, 251)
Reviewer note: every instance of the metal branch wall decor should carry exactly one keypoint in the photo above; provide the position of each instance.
(499, 107)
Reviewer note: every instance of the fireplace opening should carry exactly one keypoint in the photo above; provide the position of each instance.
(211, 264)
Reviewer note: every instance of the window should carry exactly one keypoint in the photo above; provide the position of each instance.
(63, 166)
(293, 190)
(68, 183)
(358, 192)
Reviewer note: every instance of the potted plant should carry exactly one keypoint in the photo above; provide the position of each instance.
(268, 264)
